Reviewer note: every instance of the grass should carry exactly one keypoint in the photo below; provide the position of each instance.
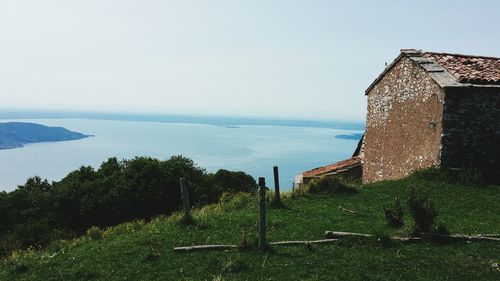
(144, 251)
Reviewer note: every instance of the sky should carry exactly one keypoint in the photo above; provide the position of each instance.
(301, 59)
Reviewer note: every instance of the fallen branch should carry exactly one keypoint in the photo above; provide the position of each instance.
(489, 237)
(347, 210)
(462, 236)
(334, 236)
(341, 234)
(204, 248)
(228, 247)
(285, 243)
(408, 239)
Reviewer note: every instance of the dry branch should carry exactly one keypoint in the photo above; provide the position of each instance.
(333, 236)
(228, 247)
(462, 236)
(285, 243)
(347, 210)
(204, 248)
(341, 234)
(488, 237)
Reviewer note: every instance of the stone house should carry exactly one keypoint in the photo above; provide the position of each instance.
(431, 109)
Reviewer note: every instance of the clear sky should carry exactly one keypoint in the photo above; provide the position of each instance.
(300, 59)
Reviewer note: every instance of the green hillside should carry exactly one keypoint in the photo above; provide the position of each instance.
(144, 250)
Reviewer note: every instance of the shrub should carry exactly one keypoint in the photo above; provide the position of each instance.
(421, 210)
(187, 220)
(409, 229)
(94, 233)
(9, 243)
(394, 214)
(234, 201)
(234, 181)
(37, 233)
(18, 267)
(329, 185)
(382, 238)
(296, 193)
(39, 212)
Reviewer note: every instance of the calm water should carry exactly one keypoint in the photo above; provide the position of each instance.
(253, 149)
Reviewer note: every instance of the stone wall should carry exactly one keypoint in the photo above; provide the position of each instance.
(471, 128)
(403, 124)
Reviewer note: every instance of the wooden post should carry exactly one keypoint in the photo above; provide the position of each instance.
(185, 198)
(262, 214)
(277, 196)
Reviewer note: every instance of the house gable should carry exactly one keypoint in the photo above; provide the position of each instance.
(403, 125)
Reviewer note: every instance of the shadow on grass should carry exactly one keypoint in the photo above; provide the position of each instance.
(190, 222)
(278, 204)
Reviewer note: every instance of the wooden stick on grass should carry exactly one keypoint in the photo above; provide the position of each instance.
(347, 210)
(490, 237)
(204, 248)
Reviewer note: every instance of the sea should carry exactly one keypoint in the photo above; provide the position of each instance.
(247, 147)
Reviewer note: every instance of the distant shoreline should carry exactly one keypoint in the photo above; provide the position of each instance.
(208, 120)
(349, 136)
(18, 134)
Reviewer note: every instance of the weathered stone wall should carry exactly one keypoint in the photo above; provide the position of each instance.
(403, 124)
(471, 128)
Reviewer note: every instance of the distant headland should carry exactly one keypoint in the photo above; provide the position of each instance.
(353, 136)
(18, 134)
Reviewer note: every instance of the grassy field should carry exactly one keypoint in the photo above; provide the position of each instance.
(144, 251)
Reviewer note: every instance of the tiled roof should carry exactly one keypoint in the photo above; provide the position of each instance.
(451, 70)
(469, 69)
(341, 165)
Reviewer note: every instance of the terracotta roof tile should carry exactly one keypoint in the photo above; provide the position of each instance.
(469, 69)
(344, 164)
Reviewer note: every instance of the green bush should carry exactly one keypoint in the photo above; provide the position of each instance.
(39, 212)
(9, 243)
(394, 215)
(94, 233)
(329, 185)
(409, 229)
(421, 210)
(234, 201)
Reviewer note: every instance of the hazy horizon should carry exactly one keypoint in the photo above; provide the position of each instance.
(28, 113)
(306, 60)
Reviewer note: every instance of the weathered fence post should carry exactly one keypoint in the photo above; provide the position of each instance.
(262, 213)
(277, 196)
(185, 198)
